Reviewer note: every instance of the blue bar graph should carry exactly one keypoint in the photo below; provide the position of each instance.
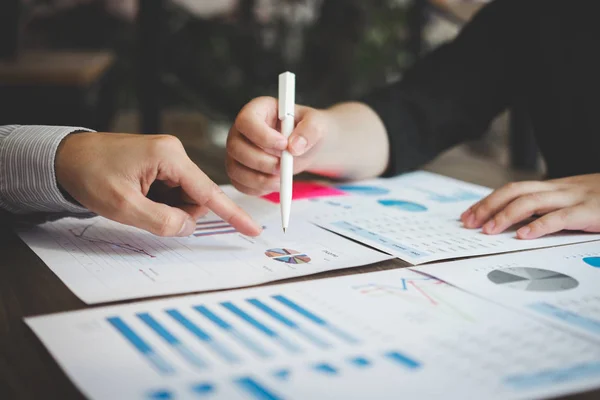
(403, 360)
(172, 340)
(289, 323)
(255, 389)
(203, 336)
(260, 327)
(360, 362)
(141, 345)
(316, 319)
(239, 336)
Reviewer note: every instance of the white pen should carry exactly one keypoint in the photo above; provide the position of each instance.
(287, 94)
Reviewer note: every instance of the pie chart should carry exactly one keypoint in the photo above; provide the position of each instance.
(403, 205)
(287, 256)
(532, 279)
(592, 261)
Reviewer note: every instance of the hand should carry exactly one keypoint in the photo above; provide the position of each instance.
(254, 144)
(111, 175)
(571, 203)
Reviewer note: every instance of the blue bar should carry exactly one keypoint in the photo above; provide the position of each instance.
(158, 328)
(168, 337)
(289, 323)
(326, 369)
(160, 394)
(568, 317)
(214, 318)
(403, 284)
(249, 343)
(316, 319)
(302, 311)
(403, 360)
(144, 348)
(360, 362)
(260, 326)
(203, 389)
(554, 376)
(203, 336)
(282, 374)
(255, 389)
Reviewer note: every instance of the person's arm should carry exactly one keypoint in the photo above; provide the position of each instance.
(110, 175)
(452, 94)
(27, 169)
(449, 96)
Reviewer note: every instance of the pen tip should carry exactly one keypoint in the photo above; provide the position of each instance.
(283, 230)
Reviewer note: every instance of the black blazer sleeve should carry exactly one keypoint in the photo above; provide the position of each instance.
(452, 94)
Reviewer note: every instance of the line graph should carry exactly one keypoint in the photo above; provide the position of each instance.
(406, 286)
(84, 235)
(424, 291)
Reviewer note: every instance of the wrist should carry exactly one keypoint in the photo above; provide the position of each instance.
(67, 154)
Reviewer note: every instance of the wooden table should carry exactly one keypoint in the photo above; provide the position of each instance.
(55, 68)
(28, 287)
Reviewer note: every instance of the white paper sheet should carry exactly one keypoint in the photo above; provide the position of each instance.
(103, 261)
(417, 220)
(392, 334)
(561, 285)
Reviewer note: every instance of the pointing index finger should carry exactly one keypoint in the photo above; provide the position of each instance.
(206, 193)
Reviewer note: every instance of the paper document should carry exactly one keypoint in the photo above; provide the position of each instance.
(415, 217)
(383, 335)
(561, 285)
(103, 261)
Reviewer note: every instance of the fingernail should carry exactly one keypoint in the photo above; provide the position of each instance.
(524, 231)
(189, 226)
(470, 221)
(489, 227)
(299, 145)
(465, 215)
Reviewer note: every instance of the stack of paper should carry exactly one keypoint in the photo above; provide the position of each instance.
(383, 335)
(515, 325)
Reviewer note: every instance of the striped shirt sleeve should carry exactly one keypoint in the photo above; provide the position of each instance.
(27, 170)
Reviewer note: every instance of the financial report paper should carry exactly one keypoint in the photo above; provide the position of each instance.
(416, 217)
(103, 261)
(391, 334)
(560, 285)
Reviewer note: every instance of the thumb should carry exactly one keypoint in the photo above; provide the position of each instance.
(157, 218)
(309, 132)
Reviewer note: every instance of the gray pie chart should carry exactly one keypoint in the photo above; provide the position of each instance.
(532, 279)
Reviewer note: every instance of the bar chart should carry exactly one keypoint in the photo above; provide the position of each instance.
(255, 325)
(213, 228)
(239, 332)
(379, 335)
